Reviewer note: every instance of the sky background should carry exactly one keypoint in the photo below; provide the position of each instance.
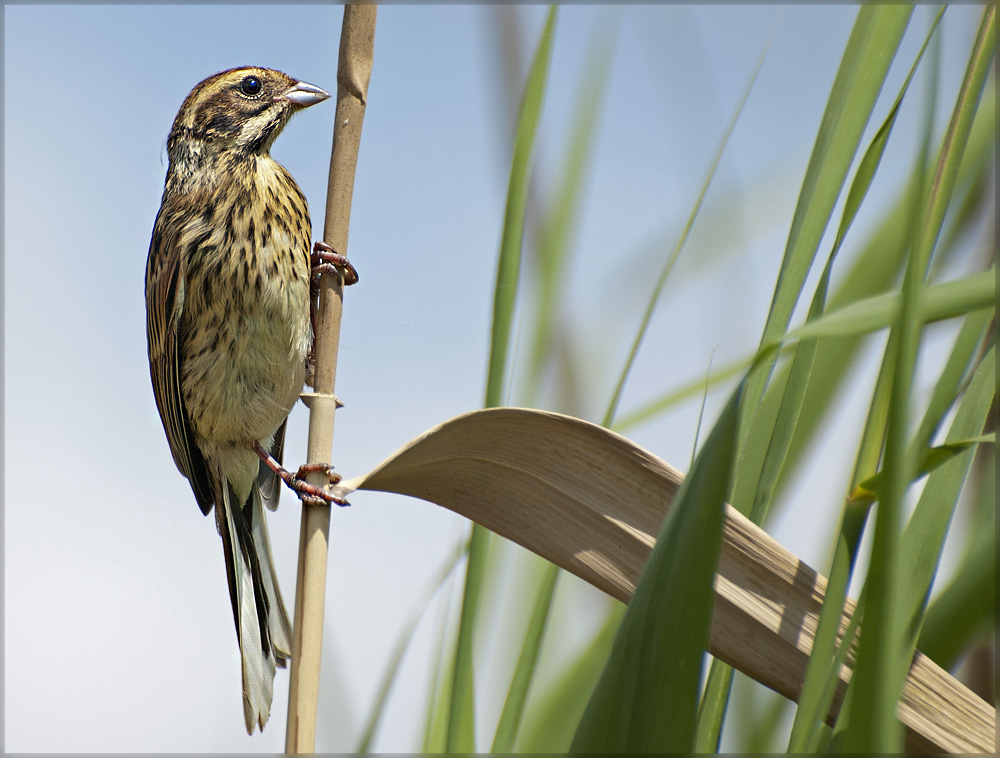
(118, 627)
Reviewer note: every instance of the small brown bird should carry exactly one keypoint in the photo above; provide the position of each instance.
(228, 304)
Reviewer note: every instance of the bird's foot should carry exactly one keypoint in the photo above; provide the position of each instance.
(325, 259)
(308, 493)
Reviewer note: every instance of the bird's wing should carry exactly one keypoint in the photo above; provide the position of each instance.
(267, 480)
(164, 305)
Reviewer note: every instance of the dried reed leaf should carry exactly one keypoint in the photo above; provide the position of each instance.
(591, 501)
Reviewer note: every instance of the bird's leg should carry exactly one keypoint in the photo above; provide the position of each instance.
(308, 493)
(324, 259)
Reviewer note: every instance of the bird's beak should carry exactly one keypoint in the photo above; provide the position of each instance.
(303, 95)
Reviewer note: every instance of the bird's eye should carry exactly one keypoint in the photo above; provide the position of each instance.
(251, 86)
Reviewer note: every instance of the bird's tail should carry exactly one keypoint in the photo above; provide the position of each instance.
(262, 625)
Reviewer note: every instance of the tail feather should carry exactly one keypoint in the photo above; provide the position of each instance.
(279, 626)
(262, 624)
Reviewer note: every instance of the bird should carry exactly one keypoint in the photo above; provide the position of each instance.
(230, 291)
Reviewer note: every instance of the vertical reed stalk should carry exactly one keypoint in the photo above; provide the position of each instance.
(353, 74)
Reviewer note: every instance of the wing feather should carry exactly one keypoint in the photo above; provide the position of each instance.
(164, 306)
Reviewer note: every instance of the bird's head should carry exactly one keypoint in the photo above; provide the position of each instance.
(240, 111)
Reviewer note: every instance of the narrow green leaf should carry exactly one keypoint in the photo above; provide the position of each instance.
(440, 690)
(461, 711)
(513, 707)
(873, 271)
(655, 407)
(937, 302)
(392, 667)
(808, 730)
(955, 375)
(825, 661)
(868, 491)
(878, 675)
(959, 129)
(815, 703)
(554, 247)
(791, 405)
(710, 717)
(509, 261)
(965, 611)
(712, 710)
(873, 155)
(863, 67)
(550, 721)
(923, 538)
(715, 698)
(612, 409)
(759, 713)
(461, 722)
(553, 257)
(647, 697)
(896, 586)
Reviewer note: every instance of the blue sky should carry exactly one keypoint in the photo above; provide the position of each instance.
(118, 628)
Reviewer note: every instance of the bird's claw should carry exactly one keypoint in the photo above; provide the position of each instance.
(325, 259)
(318, 468)
(310, 494)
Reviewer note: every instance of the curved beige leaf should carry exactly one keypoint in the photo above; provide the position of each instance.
(592, 502)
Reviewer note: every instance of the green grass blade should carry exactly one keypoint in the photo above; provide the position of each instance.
(821, 673)
(550, 721)
(959, 129)
(461, 709)
(955, 375)
(647, 697)
(869, 490)
(461, 722)
(891, 622)
(513, 707)
(878, 675)
(715, 698)
(710, 715)
(964, 612)
(924, 535)
(810, 710)
(864, 65)
(392, 668)
(873, 155)
(553, 258)
(554, 242)
(872, 272)
(653, 408)
(923, 538)
(720, 677)
(712, 710)
(612, 409)
(442, 679)
(818, 688)
(793, 397)
(938, 302)
(826, 659)
(509, 262)
(820, 681)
